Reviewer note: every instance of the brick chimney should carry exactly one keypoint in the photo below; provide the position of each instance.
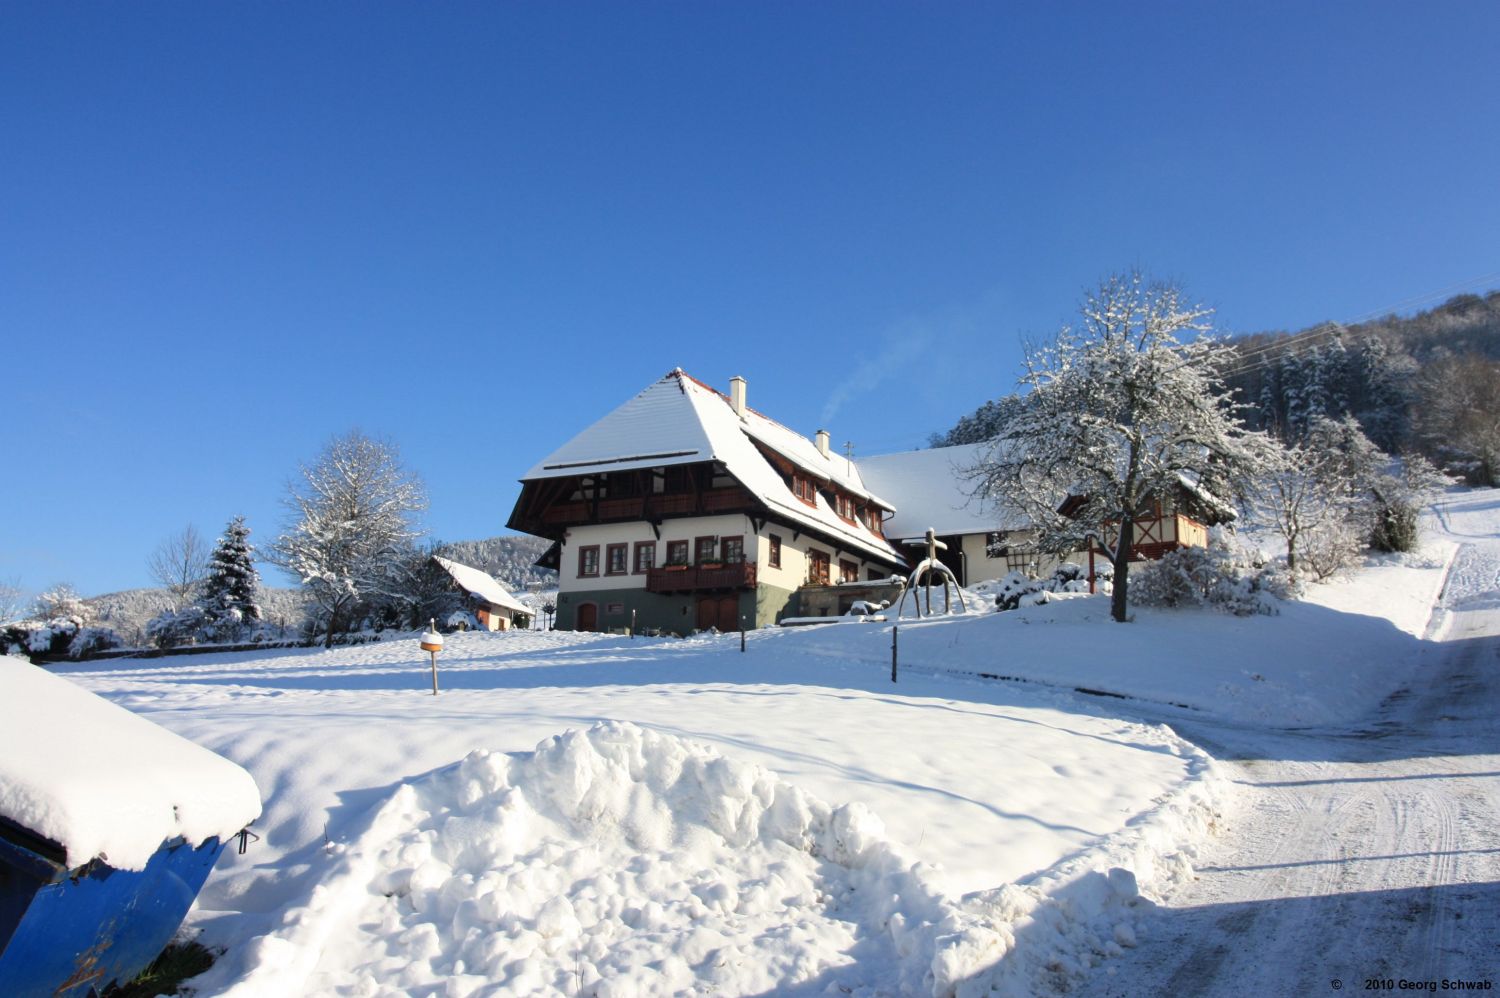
(737, 395)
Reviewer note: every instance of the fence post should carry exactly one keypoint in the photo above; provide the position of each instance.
(742, 634)
(894, 629)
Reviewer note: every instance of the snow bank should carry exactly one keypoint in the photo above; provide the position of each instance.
(621, 861)
(101, 781)
(615, 861)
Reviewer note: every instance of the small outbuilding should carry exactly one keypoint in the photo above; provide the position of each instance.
(492, 606)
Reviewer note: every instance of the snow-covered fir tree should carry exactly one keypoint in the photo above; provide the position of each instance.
(229, 590)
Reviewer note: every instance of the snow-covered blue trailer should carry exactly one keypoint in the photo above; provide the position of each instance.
(72, 932)
(109, 826)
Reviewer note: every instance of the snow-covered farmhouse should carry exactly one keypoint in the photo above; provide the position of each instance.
(931, 489)
(492, 606)
(686, 509)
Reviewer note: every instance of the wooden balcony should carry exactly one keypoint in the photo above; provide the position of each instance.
(699, 578)
(709, 501)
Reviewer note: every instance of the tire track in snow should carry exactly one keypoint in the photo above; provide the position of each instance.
(1353, 854)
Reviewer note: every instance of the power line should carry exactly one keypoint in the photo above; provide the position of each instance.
(1301, 344)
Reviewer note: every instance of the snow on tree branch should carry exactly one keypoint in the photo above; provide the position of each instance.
(1118, 414)
(352, 526)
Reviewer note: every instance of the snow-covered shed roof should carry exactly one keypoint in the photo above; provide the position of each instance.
(481, 584)
(99, 780)
(930, 488)
(680, 420)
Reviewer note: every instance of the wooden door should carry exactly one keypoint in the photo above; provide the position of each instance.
(728, 613)
(588, 617)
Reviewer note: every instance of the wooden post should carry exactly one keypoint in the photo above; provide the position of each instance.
(632, 625)
(431, 642)
(742, 635)
(894, 629)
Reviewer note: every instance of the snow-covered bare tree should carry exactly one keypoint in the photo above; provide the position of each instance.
(229, 589)
(1120, 413)
(1336, 493)
(425, 590)
(1309, 500)
(179, 563)
(1459, 415)
(352, 527)
(61, 601)
(12, 601)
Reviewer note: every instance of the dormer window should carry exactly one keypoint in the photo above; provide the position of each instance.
(843, 505)
(804, 489)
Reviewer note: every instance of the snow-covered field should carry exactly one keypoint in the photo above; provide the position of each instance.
(600, 815)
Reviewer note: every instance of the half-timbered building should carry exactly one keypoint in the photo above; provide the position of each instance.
(685, 509)
(933, 488)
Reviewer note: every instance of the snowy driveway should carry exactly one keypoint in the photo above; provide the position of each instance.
(1370, 854)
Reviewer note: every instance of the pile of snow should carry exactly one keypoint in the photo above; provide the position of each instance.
(101, 781)
(619, 861)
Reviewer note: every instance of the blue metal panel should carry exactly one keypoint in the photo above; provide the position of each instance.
(71, 933)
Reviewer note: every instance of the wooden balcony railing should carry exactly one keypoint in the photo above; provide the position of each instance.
(723, 500)
(696, 578)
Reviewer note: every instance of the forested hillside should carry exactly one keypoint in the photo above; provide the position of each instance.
(1429, 382)
(508, 559)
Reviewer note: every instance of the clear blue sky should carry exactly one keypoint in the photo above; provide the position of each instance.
(229, 231)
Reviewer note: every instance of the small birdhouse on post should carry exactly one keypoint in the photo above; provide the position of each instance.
(432, 643)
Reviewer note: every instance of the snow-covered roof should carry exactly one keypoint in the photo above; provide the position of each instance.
(930, 488)
(680, 420)
(1217, 510)
(660, 426)
(101, 781)
(481, 584)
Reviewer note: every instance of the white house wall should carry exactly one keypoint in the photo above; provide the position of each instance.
(686, 529)
(981, 567)
(791, 574)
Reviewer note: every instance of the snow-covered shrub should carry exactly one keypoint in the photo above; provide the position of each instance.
(1395, 529)
(1398, 494)
(1331, 549)
(1218, 576)
(91, 640)
(57, 637)
(1177, 578)
(14, 638)
(461, 620)
(51, 637)
(178, 627)
(224, 625)
(1017, 590)
(1068, 573)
